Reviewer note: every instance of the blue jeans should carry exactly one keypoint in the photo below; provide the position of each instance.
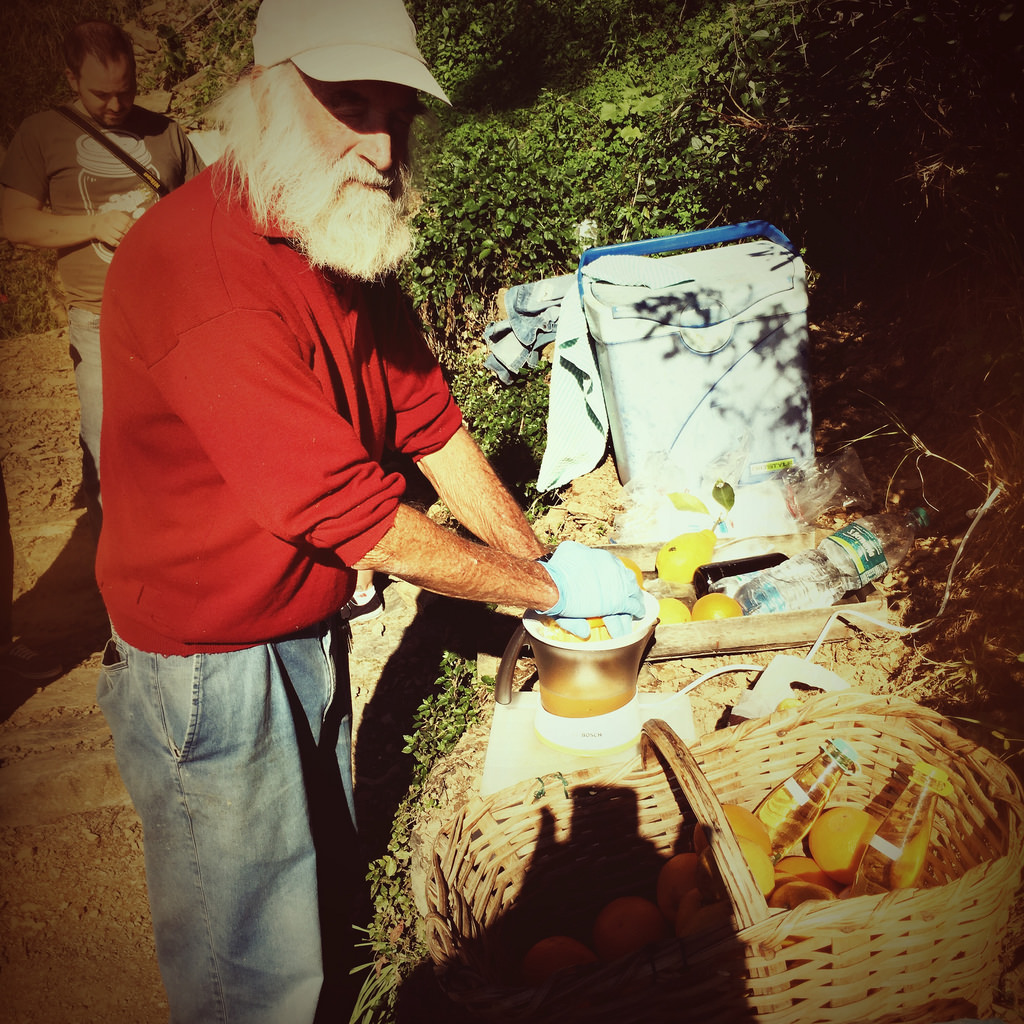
(239, 765)
(84, 345)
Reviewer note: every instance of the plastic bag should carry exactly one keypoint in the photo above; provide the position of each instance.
(663, 500)
(650, 512)
(818, 486)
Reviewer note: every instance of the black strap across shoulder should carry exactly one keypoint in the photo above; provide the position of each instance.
(130, 162)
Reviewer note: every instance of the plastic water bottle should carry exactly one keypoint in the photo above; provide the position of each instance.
(846, 560)
(790, 809)
(894, 857)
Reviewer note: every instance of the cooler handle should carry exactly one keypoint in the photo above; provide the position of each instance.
(689, 240)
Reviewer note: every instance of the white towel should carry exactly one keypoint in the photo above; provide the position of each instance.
(577, 418)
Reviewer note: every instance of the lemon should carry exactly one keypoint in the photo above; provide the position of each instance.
(553, 631)
(680, 557)
(671, 609)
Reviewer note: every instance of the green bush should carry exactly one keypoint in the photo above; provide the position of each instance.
(392, 940)
(509, 422)
(879, 134)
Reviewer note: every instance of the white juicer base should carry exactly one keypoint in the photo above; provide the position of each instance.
(601, 734)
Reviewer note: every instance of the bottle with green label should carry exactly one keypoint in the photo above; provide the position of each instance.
(789, 810)
(850, 558)
(895, 856)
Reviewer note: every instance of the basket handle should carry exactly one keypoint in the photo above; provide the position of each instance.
(748, 902)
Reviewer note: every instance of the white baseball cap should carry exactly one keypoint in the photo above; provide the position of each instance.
(343, 41)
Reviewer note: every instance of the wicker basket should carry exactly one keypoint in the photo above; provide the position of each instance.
(537, 858)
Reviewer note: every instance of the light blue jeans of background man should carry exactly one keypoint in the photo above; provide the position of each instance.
(239, 766)
(84, 345)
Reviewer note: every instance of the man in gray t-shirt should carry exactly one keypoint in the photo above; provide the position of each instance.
(64, 190)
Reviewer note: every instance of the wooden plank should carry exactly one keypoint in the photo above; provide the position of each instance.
(769, 632)
(766, 632)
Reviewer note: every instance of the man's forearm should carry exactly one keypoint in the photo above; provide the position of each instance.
(468, 485)
(27, 222)
(419, 551)
(46, 230)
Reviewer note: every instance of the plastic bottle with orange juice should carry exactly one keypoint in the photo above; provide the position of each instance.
(895, 856)
(789, 810)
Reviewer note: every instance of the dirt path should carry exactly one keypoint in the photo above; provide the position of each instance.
(76, 942)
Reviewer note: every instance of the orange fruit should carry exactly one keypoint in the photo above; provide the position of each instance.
(708, 916)
(715, 606)
(598, 631)
(760, 864)
(678, 875)
(626, 924)
(672, 610)
(679, 558)
(837, 840)
(744, 823)
(689, 906)
(709, 881)
(554, 953)
(803, 869)
(633, 567)
(790, 894)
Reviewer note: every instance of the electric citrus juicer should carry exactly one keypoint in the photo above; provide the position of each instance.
(588, 695)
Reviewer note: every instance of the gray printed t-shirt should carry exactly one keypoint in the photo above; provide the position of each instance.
(59, 164)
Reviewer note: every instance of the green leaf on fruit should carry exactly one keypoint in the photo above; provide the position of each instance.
(723, 493)
(688, 502)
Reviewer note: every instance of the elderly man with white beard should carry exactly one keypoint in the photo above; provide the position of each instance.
(258, 361)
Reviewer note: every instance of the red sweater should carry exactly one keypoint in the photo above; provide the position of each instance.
(247, 402)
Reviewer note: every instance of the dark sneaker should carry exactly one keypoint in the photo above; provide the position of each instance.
(21, 660)
(364, 612)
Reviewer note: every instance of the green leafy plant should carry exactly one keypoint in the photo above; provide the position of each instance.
(627, 116)
(508, 421)
(392, 940)
(443, 717)
(174, 64)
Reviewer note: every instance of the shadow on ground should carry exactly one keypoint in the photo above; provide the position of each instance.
(63, 611)
(383, 773)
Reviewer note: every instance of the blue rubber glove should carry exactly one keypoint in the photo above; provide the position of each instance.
(590, 583)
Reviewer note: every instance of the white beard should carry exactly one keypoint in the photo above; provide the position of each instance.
(359, 229)
(343, 214)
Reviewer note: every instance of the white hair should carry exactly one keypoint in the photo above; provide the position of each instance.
(343, 213)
